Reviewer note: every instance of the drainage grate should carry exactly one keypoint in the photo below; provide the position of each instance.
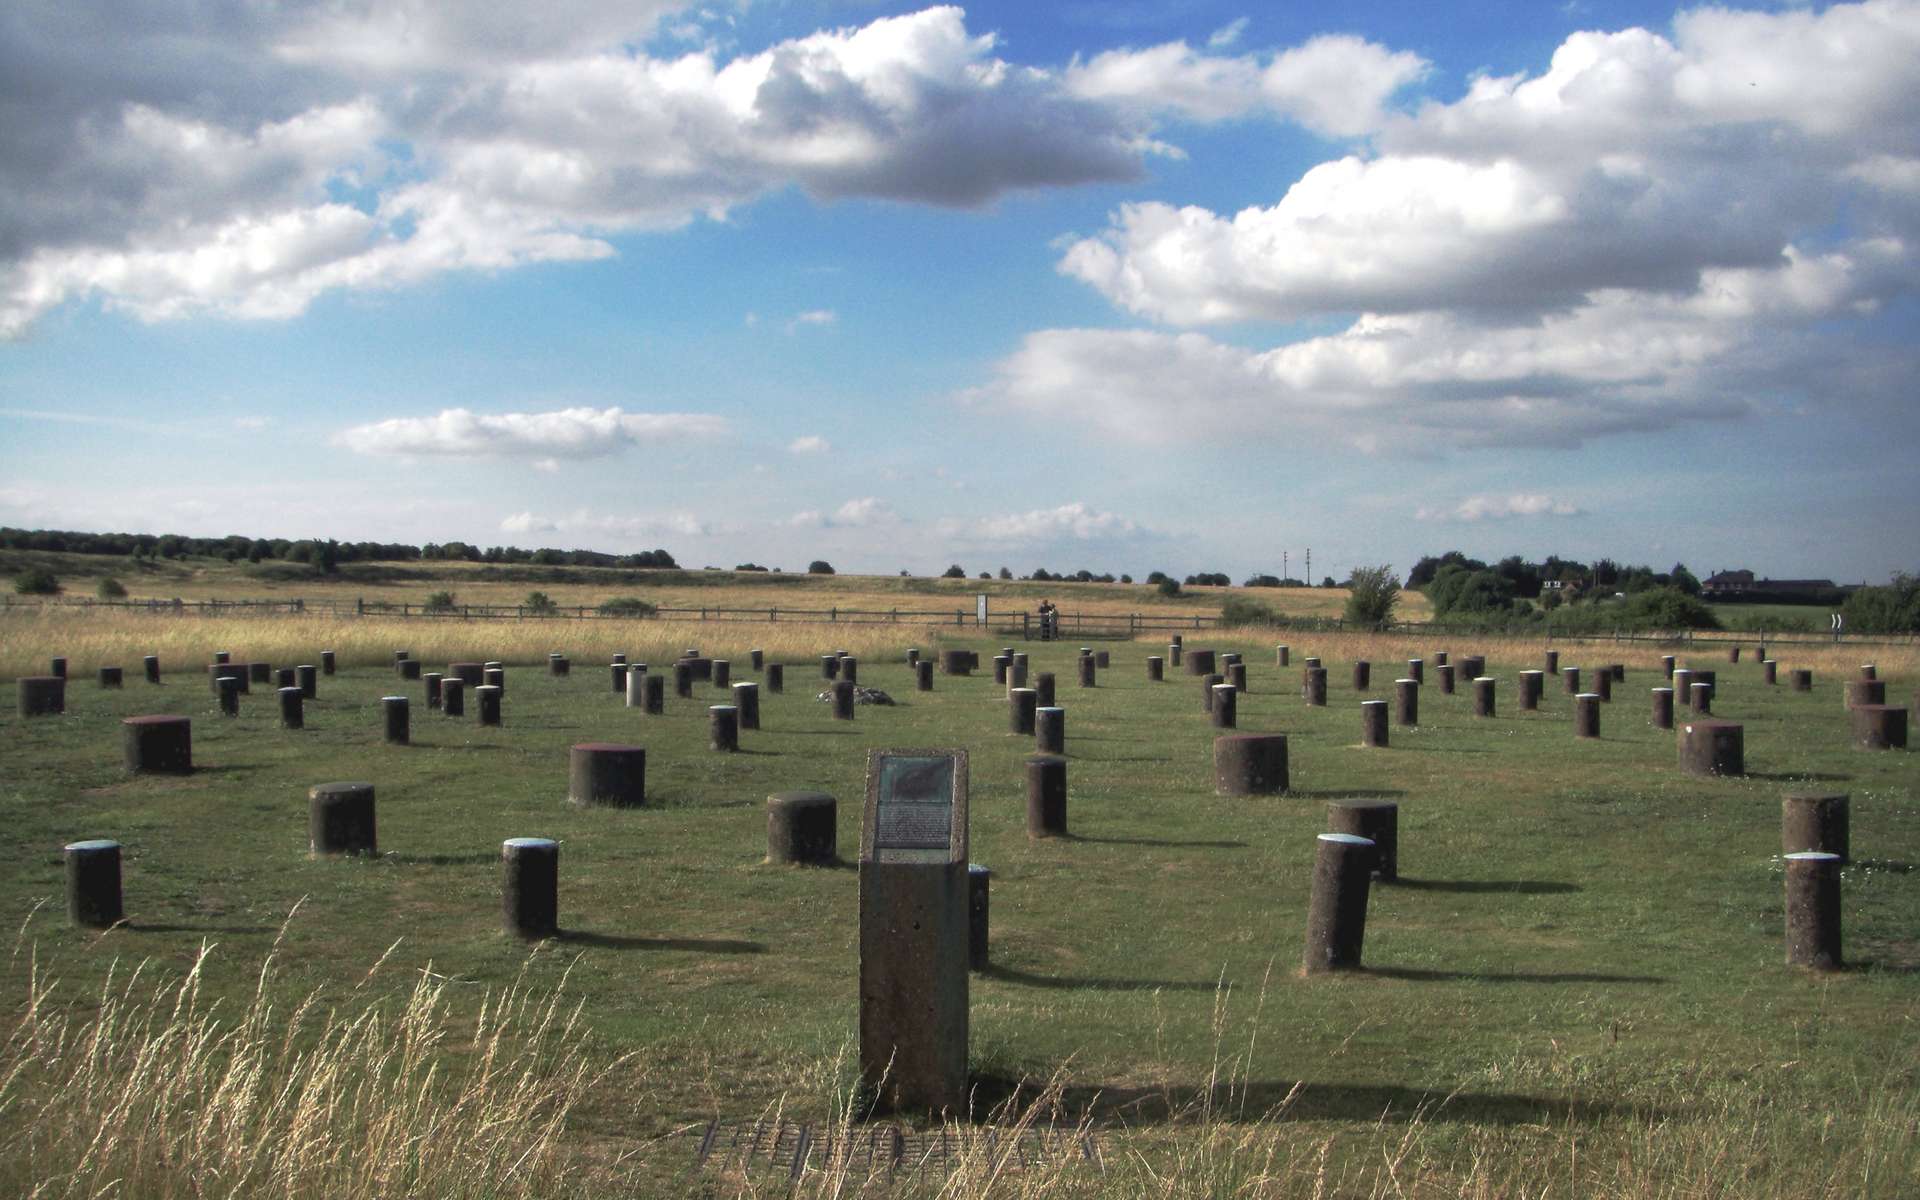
(867, 1152)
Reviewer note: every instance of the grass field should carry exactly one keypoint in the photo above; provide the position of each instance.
(1577, 989)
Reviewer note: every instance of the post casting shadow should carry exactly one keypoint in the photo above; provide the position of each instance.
(1421, 975)
(614, 941)
(227, 930)
(1159, 842)
(1525, 887)
(1345, 793)
(442, 860)
(1029, 979)
(1798, 776)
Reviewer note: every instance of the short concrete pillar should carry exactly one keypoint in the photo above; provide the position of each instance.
(1552, 659)
(1281, 655)
(723, 728)
(1867, 670)
(109, 677)
(219, 656)
(1815, 821)
(1682, 687)
(1417, 670)
(161, 744)
(1769, 671)
(1173, 654)
(1879, 727)
(151, 663)
(326, 662)
(283, 677)
(558, 663)
(1406, 702)
(1603, 684)
(1225, 711)
(746, 698)
(1439, 658)
(617, 675)
(1616, 672)
(1733, 653)
(530, 887)
(1102, 659)
(41, 695)
(1667, 662)
(1156, 668)
(1176, 640)
(1021, 705)
(723, 672)
(653, 694)
(979, 904)
(1813, 911)
(1570, 680)
(1376, 820)
(472, 674)
(1700, 698)
(923, 675)
(1207, 684)
(1362, 676)
(1865, 691)
(1314, 690)
(1200, 662)
(410, 668)
(1043, 688)
(1237, 676)
(756, 659)
(1443, 673)
(93, 883)
(1710, 747)
(1021, 663)
(400, 656)
(1662, 717)
(1531, 685)
(394, 713)
(956, 662)
(1050, 730)
(1337, 914)
(1710, 678)
(340, 819)
(1373, 723)
(306, 676)
(683, 679)
(1001, 663)
(607, 774)
(802, 828)
(1250, 764)
(1085, 668)
(486, 702)
(227, 670)
(292, 709)
(435, 682)
(229, 687)
(636, 696)
(776, 676)
(494, 677)
(1473, 666)
(1586, 715)
(843, 699)
(1483, 696)
(259, 672)
(453, 697)
(1046, 796)
(1800, 679)
(1760, 652)
(619, 658)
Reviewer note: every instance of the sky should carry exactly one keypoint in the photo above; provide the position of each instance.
(1105, 284)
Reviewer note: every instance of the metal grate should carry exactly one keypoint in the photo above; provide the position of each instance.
(866, 1152)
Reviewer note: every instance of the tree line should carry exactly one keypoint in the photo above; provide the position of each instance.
(325, 554)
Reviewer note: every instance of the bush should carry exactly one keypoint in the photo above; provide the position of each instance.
(111, 589)
(1168, 586)
(1371, 595)
(1239, 610)
(1005, 573)
(1456, 589)
(627, 606)
(1891, 609)
(440, 602)
(37, 581)
(956, 571)
(819, 566)
(1272, 581)
(539, 602)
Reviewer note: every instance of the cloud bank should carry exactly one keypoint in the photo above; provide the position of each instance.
(564, 433)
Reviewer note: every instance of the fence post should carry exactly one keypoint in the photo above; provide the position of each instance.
(773, 616)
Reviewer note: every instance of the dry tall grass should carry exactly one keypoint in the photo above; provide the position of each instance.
(157, 1094)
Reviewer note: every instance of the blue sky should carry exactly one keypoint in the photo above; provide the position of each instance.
(1176, 286)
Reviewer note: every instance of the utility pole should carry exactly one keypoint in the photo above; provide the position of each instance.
(1283, 566)
(1309, 566)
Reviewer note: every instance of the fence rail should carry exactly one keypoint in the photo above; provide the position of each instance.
(1021, 623)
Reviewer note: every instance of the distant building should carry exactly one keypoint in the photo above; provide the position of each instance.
(1741, 585)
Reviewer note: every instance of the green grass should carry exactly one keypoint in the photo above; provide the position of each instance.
(1585, 943)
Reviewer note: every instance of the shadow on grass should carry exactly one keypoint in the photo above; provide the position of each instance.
(1422, 975)
(1278, 1099)
(1798, 776)
(614, 941)
(1525, 887)
(1157, 842)
(225, 930)
(1345, 793)
(443, 860)
(1095, 983)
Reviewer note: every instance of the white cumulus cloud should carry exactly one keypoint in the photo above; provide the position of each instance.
(1077, 521)
(811, 443)
(564, 433)
(1494, 508)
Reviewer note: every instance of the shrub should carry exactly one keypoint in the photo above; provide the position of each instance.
(819, 566)
(1272, 581)
(37, 581)
(954, 572)
(111, 589)
(628, 606)
(440, 602)
(1239, 610)
(539, 602)
(1456, 589)
(1005, 573)
(1168, 586)
(1371, 595)
(1891, 609)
